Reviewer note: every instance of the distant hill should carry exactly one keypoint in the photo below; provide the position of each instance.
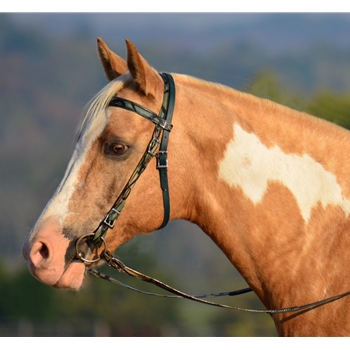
(307, 50)
(273, 31)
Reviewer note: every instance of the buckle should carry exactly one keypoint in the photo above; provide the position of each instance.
(110, 223)
(153, 145)
(162, 161)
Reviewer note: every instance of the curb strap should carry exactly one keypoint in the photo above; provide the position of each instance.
(156, 148)
(121, 267)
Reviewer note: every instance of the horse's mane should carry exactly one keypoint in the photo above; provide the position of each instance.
(95, 110)
(213, 89)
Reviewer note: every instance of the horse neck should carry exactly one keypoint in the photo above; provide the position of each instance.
(270, 186)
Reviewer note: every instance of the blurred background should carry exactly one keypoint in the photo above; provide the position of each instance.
(49, 69)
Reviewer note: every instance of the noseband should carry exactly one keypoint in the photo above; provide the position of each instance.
(157, 147)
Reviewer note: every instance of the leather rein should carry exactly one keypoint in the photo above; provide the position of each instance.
(157, 147)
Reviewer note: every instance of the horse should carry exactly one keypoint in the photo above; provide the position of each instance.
(268, 184)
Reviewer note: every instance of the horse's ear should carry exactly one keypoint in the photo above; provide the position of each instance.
(113, 65)
(148, 81)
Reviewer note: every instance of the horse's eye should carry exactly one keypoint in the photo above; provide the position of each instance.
(119, 149)
(116, 149)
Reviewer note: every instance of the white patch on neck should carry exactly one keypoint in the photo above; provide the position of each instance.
(250, 165)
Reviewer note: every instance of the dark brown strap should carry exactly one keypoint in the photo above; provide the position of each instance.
(121, 267)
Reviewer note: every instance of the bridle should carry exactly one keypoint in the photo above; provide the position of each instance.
(158, 147)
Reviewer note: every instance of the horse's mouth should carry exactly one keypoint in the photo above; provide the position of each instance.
(72, 277)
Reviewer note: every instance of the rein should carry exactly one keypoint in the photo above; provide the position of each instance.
(157, 147)
(121, 267)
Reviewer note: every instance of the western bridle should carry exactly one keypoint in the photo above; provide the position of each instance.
(157, 147)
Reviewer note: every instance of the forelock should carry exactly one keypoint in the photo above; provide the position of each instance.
(96, 107)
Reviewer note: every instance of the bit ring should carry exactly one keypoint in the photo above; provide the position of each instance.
(80, 256)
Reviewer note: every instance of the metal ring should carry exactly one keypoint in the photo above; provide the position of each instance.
(79, 254)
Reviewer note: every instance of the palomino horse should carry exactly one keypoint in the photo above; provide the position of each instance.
(269, 185)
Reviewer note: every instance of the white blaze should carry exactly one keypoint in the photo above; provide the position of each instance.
(250, 165)
(95, 120)
(58, 205)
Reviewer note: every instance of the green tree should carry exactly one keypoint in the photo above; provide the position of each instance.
(332, 107)
(22, 296)
(329, 105)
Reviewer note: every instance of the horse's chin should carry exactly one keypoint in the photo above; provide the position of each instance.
(72, 278)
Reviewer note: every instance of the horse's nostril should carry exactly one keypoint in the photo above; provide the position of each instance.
(44, 251)
(39, 254)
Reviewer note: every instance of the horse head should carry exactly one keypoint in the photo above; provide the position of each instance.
(110, 143)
